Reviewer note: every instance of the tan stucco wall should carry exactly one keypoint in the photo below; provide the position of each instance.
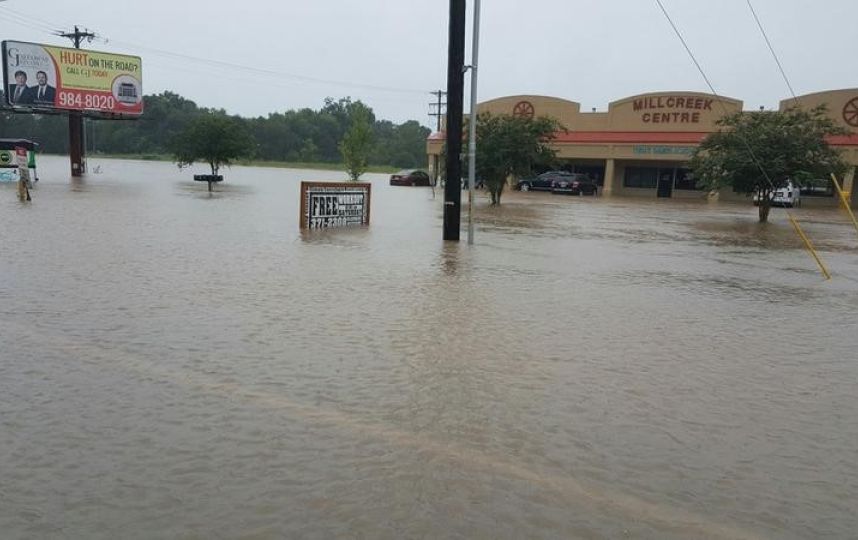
(648, 113)
(564, 111)
(680, 116)
(658, 111)
(670, 111)
(841, 105)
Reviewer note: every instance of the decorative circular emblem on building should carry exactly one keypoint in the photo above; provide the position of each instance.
(850, 112)
(523, 109)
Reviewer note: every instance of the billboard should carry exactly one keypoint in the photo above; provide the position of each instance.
(43, 77)
(329, 204)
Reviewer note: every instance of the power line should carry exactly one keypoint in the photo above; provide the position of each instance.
(305, 78)
(178, 66)
(14, 19)
(687, 49)
(746, 143)
(774, 54)
(45, 26)
(35, 20)
(712, 88)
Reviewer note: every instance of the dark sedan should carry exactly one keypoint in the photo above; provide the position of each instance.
(575, 184)
(410, 178)
(544, 181)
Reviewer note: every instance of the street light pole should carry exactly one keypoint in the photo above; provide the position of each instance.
(472, 128)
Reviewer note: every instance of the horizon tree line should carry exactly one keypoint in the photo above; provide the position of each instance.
(298, 135)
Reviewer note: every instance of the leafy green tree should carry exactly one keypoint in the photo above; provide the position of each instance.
(408, 146)
(357, 143)
(510, 145)
(759, 152)
(213, 138)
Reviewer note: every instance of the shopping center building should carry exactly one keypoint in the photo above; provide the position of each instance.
(642, 144)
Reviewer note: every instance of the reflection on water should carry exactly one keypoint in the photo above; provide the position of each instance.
(179, 364)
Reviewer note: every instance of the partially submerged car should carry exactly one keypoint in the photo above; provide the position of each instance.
(575, 184)
(541, 182)
(559, 182)
(410, 178)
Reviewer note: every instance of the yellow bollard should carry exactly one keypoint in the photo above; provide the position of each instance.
(809, 247)
(844, 198)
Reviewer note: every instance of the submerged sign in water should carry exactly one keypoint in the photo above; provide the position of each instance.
(39, 76)
(326, 204)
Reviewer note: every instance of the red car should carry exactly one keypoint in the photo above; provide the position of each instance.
(410, 178)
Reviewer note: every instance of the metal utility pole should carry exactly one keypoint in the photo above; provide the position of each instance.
(472, 127)
(438, 113)
(77, 136)
(439, 108)
(455, 98)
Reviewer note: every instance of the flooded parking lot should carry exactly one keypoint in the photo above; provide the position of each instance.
(179, 364)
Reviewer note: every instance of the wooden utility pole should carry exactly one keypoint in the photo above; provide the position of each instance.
(439, 108)
(455, 105)
(77, 146)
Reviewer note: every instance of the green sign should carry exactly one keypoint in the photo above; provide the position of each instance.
(663, 150)
(5, 157)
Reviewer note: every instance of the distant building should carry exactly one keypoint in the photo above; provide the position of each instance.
(642, 144)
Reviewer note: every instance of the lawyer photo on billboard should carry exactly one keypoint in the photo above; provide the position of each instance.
(45, 77)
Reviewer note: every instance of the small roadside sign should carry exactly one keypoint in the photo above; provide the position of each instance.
(329, 204)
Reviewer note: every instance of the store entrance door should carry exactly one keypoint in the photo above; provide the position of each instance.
(665, 183)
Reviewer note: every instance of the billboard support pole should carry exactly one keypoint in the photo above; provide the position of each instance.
(77, 144)
(76, 148)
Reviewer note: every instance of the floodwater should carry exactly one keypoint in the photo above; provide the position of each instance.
(175, 364)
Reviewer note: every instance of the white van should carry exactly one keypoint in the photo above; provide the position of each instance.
(788, 196)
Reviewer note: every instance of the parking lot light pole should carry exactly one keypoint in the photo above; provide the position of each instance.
(472, 128)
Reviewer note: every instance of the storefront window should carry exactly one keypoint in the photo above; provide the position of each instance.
(685, 180)
(641, 177)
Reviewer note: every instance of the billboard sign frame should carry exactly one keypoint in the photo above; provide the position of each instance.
(60, 80)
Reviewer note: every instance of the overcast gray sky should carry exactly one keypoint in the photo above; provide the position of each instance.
(391, 54)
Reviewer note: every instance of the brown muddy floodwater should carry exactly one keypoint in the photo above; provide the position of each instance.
(175, 364)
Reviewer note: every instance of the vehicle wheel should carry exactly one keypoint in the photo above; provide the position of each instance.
(525, 187)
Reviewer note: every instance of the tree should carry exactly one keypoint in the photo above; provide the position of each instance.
(510, 145)
(759, 152)
(214, 138)
(357, 142)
